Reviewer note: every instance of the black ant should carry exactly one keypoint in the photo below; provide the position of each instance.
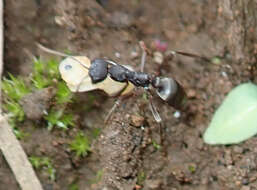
(81, 74)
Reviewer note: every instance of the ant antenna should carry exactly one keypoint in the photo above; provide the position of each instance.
(189, 55)
(111, 62)
(54, 52)
(51, 51)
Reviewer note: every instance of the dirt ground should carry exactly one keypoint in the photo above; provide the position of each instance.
(123, 152)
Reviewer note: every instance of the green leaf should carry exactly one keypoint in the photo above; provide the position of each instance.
(236, 119)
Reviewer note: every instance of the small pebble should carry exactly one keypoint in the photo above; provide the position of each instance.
(133, 54)
(137, 120)
(238, 149)
(158, 57)
(177, 114)
(153, 183)
(191, 93)
(245, 188)
(229, 167)
(224, 74)
(238, 183)
(245, 181)
(138, 187)
(36, 103)
(54, 143)
(59, 20)
(117, 54)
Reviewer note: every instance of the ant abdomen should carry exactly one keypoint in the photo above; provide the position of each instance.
(170, 91)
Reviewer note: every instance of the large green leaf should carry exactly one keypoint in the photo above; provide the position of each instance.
(236, 119)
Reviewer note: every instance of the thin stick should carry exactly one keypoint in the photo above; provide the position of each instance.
(9, 145)
(1, 45)
(16, 158)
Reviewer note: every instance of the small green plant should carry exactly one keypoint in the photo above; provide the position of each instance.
(145, 96)
(192, 168)
(59, 118)
(19, 133)
(73, 186)
(216, 60)
(14, 88)
(80, 145)
(98, 177)
(36, 161)
(52, 67)
(38, 78)
(96, 132)
(63, 94)
(141, 177)
(156, 145)
(15, 111)
(44, 163)
(44, 73)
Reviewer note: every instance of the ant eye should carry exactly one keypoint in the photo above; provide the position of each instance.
(67, 67)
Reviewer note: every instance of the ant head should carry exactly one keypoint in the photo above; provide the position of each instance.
(170, 91)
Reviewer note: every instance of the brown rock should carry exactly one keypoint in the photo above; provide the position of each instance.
(36, 103)
(137, 120)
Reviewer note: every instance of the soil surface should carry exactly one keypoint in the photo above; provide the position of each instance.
(126, 153)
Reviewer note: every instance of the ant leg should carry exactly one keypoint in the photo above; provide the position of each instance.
(116, 104)
(157, 118)
(143, 47)
(154, 111)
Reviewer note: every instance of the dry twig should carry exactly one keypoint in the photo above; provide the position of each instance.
(9, 145)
